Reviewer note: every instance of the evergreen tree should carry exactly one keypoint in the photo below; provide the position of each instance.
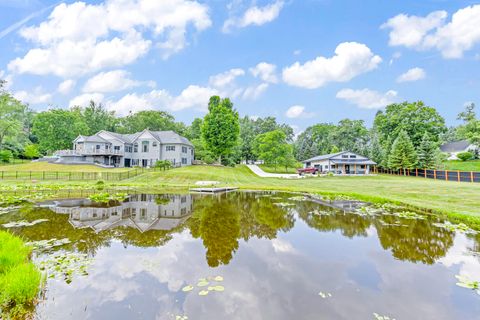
(427, 153)
(403, 154)
(375, 151)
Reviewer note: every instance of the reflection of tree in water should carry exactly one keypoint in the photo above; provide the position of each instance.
(417, 241)
(332, 219)
(222, 220)
(150, 238)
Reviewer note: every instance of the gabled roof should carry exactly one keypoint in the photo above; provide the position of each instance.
(334, 157)
(325, 156)
(456, 146)
(170, 137)
(94, 138)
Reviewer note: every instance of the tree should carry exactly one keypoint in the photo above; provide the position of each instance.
(375, 149)
(31, 151)
(220, 129)
(6, 156)
(464, 156)
(315, 140)
(194, 131)
(272, 147)
(471, 128)
(415, 118)
(97, 118)
(12, 117)
(350, 135)
(148, 119)
(57, 128)
(403, 154)
(427, 153)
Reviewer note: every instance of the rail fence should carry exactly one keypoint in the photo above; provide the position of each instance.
(73, 175)
(68, 193)
(446, 175)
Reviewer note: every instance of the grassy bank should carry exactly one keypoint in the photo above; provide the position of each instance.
(472, 165)
(45, 166)
(272, 169)
(20, 280)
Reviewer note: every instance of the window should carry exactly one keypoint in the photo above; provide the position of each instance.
(145, 146)
(184, 149)
(97, 147)
(362, 166)
(344, 156)
(183, 211)
(183, 199)
(184, 160)
(135, 147)
(170, 148)
(353, 156)
(116, 148)
(154, 144)
(128, 148)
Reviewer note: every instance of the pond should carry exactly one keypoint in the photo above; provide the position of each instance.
(248, 255)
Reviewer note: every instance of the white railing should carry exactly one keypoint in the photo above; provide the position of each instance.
(81, 152)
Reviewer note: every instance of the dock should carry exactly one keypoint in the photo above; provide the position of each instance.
(213, 190)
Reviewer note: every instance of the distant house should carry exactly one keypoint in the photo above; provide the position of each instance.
(345, 162)
(141, 149)
(454, 148)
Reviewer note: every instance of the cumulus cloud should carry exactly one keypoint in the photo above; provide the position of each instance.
(452, 39)
(37, 96)
(81, 38)
(366, 98)
(253, 92)
(297, 112)
(413, 74)
(66, 86)
(265, 71)
(350, 60)
(254, 16)
(226, 78)
(111, 81)
(84, 99)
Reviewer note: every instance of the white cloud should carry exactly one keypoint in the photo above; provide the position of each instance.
(80, 38)
(226, 78)
(84, 99)
(66, 86)
(366, 98)
(111, 81)
(265, 71)
(253, 92)
(351, 59)
(452, 39)
(297, 112)
(254, 16)
(413, 74)
(35, 97)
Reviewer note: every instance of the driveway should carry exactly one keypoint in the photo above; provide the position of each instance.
(259, 172)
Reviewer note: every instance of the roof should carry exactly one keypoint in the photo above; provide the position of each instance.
(170, 137)
(93, 138)
(360, 160)
(456, 146)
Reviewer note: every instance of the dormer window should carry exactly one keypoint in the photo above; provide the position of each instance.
(353, 156)
(345, 156)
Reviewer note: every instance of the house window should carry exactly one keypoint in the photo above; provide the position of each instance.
(154, 144)
(183, 199)
(128, 148)
(170, 148)
(353, 156)
(184, 160)
(145, 146)
(362, 166)
(97, 147)
(344, 156)
(184, 150)
(135, 147)
(116, 148)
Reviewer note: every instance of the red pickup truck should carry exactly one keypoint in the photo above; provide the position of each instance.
(310, 170)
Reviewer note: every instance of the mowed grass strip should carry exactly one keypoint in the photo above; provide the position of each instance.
(20, 280)
(52, 167)
(448, 197)
(472, 165)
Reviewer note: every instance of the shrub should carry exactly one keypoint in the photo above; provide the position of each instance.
(31, 151)
(6, 156)
(464, 156)
(12, 251)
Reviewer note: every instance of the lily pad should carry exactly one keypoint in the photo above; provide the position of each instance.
(219, 288)
(203, 283)
(218, 278)
(379, 317)
(188, 288)
(23, 223)
(203, 293)
(325, 295)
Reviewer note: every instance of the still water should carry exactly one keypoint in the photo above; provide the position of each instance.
(249, 255)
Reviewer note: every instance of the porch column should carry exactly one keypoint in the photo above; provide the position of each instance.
(344, 172)
(355, 169)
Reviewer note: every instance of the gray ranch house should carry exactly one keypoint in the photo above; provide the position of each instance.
(143, 149)
(456, 147)
(345, 162)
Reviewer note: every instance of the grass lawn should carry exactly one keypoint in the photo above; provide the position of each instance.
(271, 169)
(454, 198)
(45, 166)
(472, 165)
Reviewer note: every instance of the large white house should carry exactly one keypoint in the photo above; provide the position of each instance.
(141, 149)
(344, 162)
(456, 147)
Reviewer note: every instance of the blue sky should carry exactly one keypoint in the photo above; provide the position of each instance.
(303, 62)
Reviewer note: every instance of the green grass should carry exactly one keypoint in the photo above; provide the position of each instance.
(472, 165)
(45, 166)
(20, 280)
(14, 162)
(454, 198)
(271, 169)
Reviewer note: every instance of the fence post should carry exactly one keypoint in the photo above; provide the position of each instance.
(458, 175)
(471, 176)
(435, 174)
(416, 172)
(425, 172)
(446, 175)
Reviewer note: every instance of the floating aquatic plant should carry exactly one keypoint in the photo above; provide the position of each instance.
(184, 317)
(409, 215)
(202, 283)
(46, 245)
(325, 295)
(298, 198)
(106, 197)
(284, 204)
(203, 293)
(465, 282)
(188, 288)
(66, 265)
(23, 223)
(461, 227)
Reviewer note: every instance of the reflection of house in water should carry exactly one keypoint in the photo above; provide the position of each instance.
(141, 211)
(344, 205)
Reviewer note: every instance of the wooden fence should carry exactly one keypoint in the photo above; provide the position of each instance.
(446, 175)
(73, 175)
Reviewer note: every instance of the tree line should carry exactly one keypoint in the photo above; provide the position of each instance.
(403, 135)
